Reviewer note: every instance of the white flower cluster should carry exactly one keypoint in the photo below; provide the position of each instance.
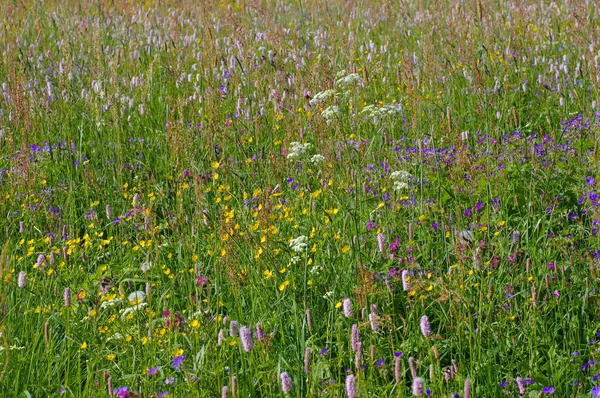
(297, 150)
(132, 309)
(353, 78)
(400, 178)
(322, 96)
(330, 112)
(137, 297)
(299, 244)
(110, 303)
(378, 113)
(317, 159)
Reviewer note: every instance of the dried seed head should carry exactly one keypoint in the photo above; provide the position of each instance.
(307, 359)
(309, 320)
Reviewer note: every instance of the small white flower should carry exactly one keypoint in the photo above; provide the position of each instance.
(132, 309)
(322, 96)
(137, 297)
(297, 150)
(299, 244)
(351, 79)
(330, 112)
(400, 175)
(110, 303)
(316, 159)
(146, 266)
(399, 186)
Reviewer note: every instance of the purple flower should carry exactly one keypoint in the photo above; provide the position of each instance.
(381, 362)
(152, 371)
(286, 382)
(417, 387)
(121, 391)
(323, 351)
(596, 392)
(548, 390)
(468, 212)
(351, 387)
(503, 384)
(177, 361)
(163, 394)
(590, 181)
(246, 337)
(398, 354)
(170, 380)
(425, 326)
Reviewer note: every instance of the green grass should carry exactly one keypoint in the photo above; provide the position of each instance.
(146, 147)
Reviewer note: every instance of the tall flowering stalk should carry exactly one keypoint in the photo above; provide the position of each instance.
(347, 305)
(417, 387)
(351, 391)
(67, 297)
(246, 337)
(355, 338)
(286, 382)
(425, 326)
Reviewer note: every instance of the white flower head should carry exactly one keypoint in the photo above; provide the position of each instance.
(110, 303)
(137, 297)
(330, 112)
(322, 96)
(146, 266)
(351, 79)
(400, 175)
(298, 150)
(299, 244)
(317, 159)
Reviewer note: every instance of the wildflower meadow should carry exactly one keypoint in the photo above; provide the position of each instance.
(299, 198)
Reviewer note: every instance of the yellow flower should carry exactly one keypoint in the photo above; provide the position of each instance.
(422, 217)
(215, 165)
(145, 340)
(338, 304)
(283, 286)
(177, 352)
(84, 346)
(110, 357)
(501, 223)
(268, 274)
(195, 323)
